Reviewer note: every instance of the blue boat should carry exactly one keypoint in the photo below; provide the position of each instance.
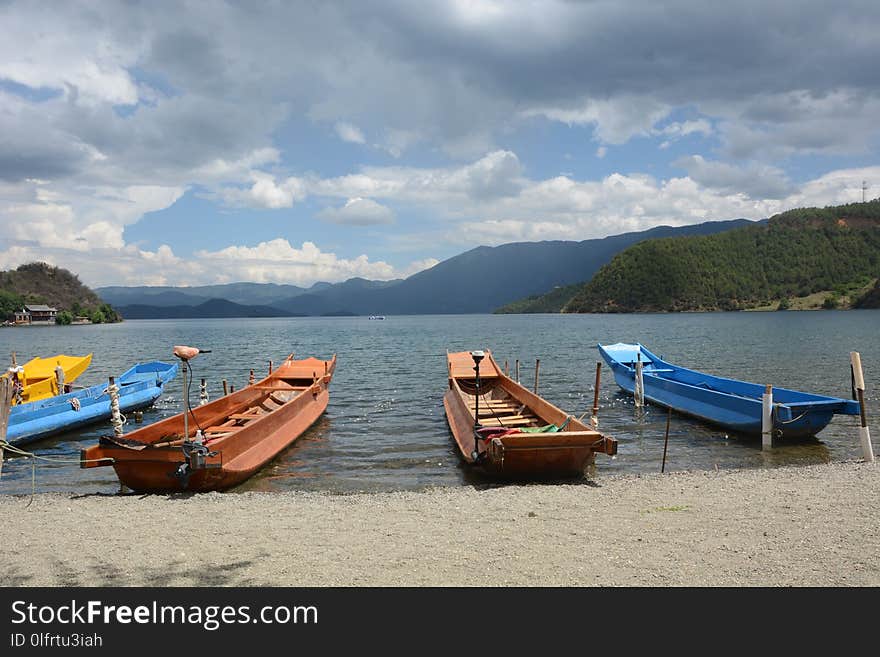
(735, 405)
(139, 387)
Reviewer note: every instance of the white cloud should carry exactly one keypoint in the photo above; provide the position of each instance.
(616, 120)
(278, 261)
(350, 133)
(358, 212)
(754, 180)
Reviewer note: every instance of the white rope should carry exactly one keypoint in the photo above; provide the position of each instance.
(115, 414)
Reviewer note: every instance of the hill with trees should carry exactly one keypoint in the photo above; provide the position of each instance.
(797, 253)
(41, 283)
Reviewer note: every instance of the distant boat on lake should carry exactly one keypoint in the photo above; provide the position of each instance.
(729, 403)
(377, 316)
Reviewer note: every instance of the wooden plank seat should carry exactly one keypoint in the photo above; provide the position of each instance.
(508, 422)
(246, 416)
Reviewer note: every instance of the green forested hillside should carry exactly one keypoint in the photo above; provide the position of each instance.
(795, 254)
(40, 283)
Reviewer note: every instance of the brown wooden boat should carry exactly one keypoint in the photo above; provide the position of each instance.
(519, 434)
(239, 434)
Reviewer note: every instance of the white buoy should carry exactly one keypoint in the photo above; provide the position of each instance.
(767, 419)
(864, 432)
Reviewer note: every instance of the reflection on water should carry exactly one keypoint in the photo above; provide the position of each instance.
(385, 428)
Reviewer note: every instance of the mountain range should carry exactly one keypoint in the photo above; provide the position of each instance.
(477, 281)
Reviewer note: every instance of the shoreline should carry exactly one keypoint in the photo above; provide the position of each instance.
(789, 526)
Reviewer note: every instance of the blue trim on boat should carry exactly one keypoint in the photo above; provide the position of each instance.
(139, 387)
(730, 403)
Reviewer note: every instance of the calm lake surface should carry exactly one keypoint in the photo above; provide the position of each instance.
(385, 428)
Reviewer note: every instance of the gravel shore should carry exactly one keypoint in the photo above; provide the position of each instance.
(797, 526)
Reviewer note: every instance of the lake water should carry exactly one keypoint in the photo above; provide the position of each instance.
(385, 428)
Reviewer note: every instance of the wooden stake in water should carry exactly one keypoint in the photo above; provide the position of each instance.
(225, 388)
(517, 370)
(639, 389)
(594, 418)
(537, 370)
(115, 413)
(864, 432)
(505, 367)
(767, 419)
(270, 367)
(6, 394)
(666, 439)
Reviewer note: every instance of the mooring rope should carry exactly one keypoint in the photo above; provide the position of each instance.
(7, 446)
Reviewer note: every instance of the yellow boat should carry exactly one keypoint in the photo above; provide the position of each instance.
(38, 378)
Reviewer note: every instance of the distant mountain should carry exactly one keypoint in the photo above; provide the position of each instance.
(797, 253)
(477, 281)
(213, 308)
(243, 293)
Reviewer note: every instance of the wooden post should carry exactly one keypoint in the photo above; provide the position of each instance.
(115, 413)
(505, 367)
(594, 418)
(270, 367)
(864, 432)
(251, 379)
(767, 419)
(225, 388)
(666, 439)
(6, 394)
(537, 368)
(59, 379)
(639, 389)
(517, 370)
(231, 388)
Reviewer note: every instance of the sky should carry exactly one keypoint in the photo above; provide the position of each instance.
(190, 143)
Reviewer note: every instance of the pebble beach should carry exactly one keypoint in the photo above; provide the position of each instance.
(791, 526)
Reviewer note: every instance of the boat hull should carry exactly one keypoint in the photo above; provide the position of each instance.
(735, 406)
(243, 431)
(157, 475)
(518, 455)
(39, 375)
(139, 387)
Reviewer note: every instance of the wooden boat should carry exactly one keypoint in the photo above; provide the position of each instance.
(729, 403)
(139, 387)
(227, 440)
(38, 379)
(519, 434)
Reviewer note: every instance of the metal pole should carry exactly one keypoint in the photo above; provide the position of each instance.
(477, 356)
(185, 405)
(767, 419)
(864, 432)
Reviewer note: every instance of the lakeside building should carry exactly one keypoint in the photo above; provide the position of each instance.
(36, 314)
